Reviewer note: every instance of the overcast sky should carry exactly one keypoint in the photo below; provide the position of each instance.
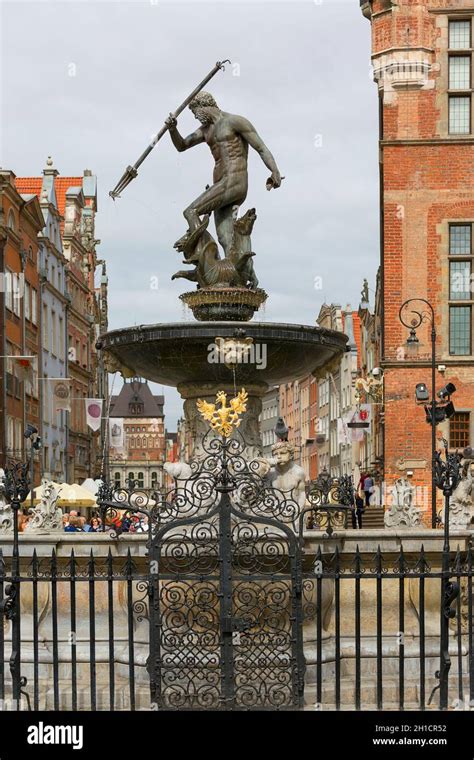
(90, 82)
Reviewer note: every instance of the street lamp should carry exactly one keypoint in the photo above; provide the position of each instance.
(15, 486)
(418, 317)
(447, 477)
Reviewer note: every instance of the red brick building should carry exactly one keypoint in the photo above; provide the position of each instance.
(21, 220)
(422, 54)
(85, 312)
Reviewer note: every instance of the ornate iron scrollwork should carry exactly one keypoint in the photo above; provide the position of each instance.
(224, 599)
(331, 501)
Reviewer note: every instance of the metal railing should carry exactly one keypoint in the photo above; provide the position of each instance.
(386, 653)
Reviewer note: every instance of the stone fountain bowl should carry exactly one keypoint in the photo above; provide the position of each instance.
(174, 354)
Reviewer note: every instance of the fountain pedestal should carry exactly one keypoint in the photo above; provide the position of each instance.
(197, 428)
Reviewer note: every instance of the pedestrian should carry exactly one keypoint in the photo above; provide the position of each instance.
(74, 525)
(357, 512)
(368, 489)
(95, 525)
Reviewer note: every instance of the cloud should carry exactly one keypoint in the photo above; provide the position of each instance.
(92, 81)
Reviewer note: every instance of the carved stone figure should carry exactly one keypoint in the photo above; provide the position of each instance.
(461, 508)
(286, 475)
(402, 511)
(6, 512)
(364, 294)
(47, 517)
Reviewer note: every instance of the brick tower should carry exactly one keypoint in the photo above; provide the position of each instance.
(422, 56)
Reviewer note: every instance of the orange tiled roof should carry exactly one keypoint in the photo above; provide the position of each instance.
(61, 185)
(33, 185)
(29, 185)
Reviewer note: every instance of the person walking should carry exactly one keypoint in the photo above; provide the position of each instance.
(368, 489)
(357, 512)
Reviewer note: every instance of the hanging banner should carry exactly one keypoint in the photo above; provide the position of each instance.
(61, 393)
(343, 432)
(94, 412)
(24, 367)
(359, 421)
(116, 434)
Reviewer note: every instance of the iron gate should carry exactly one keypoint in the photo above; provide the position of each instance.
(225, 588)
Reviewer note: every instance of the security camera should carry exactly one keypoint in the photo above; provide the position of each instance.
(446, 392)
(421, 393)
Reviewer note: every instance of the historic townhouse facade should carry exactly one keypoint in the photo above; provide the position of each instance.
(52, 364)
(371, 449)
(144, 447)
(422, 54)
(58, 319)
(21, 220)
(77, 197)
(269, 418)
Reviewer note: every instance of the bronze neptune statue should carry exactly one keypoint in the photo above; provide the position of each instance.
(228, 286)
(228, 137)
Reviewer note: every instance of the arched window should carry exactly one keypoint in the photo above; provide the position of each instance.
(131, 476)
(154, 479)
(132, 443)
(11, 220)
(140, 479)
(139, 442)
(144, 442)
(117, 480)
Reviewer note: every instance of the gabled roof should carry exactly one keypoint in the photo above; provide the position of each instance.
(62, 185)
(27, 185)
(140, 391)
(34, 208)
(87, 183)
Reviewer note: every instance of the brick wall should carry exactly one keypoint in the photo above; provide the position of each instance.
(427, 184)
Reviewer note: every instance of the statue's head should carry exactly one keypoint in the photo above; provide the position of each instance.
(200, 105)
(283, 452)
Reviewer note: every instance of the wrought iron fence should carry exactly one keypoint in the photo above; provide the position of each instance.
(64, 661)
(235, 606)
(372, 656)
(83, 626)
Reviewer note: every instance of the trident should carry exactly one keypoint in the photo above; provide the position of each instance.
(132, 171)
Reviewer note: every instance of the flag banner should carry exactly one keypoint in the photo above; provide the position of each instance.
(94, 412)
(343, 432)
(61, 394)
(359, 421)
(24, 367)
(116, 434)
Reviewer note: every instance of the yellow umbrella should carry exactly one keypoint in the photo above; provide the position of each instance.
(71, 496)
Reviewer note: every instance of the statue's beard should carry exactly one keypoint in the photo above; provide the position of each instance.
(202, 116)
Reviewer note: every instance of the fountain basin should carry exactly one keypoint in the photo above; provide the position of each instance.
(176, 353)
